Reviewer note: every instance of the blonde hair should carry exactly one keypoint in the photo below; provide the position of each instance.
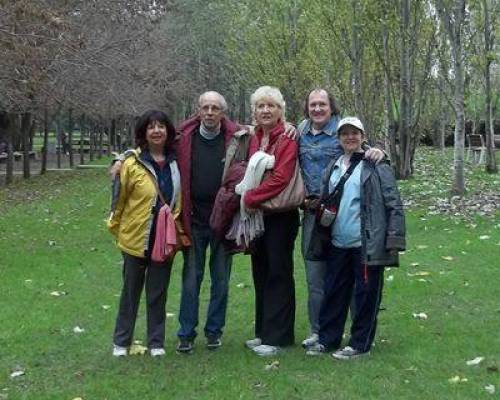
(270, 92)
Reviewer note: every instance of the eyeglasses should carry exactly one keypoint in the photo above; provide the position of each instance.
(211, 108)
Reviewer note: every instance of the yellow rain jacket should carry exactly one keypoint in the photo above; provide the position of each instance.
(133, 202)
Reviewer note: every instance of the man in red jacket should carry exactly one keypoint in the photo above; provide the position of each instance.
(200, 155)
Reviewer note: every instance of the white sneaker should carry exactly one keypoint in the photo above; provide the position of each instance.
(266, 350)
(310, 341)
(253, 343)
(316, 350)
(348, 353)
(119, 351)
(157, 352)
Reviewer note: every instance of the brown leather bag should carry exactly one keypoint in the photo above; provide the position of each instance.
(292, 196)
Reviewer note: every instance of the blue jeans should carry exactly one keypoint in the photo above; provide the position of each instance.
(315, 274)
(192, 276)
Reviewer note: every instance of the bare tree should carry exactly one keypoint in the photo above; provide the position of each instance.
(452, 16)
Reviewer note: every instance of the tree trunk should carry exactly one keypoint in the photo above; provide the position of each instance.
(491, 164)
(459, 149)
(43, 168)
(12, 131)
(242, 100)
(100, 148)
(357, 54)
(82, 139)
(403, 168)
(59, 149)
(389, 120)
(70, 137)
(92, 143)
(112, 135)
(26, 126)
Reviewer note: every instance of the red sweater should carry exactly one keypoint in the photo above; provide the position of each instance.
(284, 165)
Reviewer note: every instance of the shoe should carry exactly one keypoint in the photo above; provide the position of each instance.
(265, 350)
(348, 353)
(213, 342)
(316, 349)
(185, 346)
(157, 352)
(119, 351)
(310, 341)
(252, 343)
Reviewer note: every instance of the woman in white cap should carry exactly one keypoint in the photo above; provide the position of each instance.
(363, 218)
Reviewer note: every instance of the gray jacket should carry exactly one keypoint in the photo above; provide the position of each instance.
(382, 216)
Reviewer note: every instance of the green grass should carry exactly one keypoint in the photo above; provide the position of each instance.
(52, 238)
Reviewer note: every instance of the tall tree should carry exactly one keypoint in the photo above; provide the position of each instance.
(490, 12)
(452, 16)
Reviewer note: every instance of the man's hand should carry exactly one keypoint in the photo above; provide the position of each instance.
(375, 155)
(115, 169)
(291, 132)
(311, 203)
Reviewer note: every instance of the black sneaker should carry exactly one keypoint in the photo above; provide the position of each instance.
(185, 346)
(213, 342)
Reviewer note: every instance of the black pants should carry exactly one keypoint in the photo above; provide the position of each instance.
(272, 268)
(345, 273)
(139, 272)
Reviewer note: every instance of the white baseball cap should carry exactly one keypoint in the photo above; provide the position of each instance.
(350, 121)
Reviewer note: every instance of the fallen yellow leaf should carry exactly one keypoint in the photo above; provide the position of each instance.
(137, 350)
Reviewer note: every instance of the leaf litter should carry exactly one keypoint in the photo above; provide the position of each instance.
(273, 365)
(475, 361)
(457, 379)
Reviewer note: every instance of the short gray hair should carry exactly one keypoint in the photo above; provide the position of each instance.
(271, 92)
(222, 100)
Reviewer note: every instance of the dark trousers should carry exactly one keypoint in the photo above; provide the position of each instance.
(347, 273)
(139, 272)
(272, 269)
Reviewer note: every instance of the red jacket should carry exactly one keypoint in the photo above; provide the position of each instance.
(184, 151)
(284, 165)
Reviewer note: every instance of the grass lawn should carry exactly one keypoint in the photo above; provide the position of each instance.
(53, 239)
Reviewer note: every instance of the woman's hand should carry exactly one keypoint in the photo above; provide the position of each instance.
(375, 155)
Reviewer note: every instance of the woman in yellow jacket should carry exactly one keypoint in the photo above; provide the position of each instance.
(151, 166)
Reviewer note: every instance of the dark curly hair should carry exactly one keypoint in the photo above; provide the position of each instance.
(141, 127)
(333, 104)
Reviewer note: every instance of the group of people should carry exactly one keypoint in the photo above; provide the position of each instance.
(351, 206)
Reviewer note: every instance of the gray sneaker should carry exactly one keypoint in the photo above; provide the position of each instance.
(310, 341)
(119, 351)
(266, 350)
(316, 349)
(252, 343)
(348, 353)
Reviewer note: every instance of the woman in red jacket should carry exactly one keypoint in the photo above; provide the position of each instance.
(272, 258)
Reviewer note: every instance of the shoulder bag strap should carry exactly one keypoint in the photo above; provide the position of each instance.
(339, 188)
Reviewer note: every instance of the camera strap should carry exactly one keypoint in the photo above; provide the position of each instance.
(334, 197)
